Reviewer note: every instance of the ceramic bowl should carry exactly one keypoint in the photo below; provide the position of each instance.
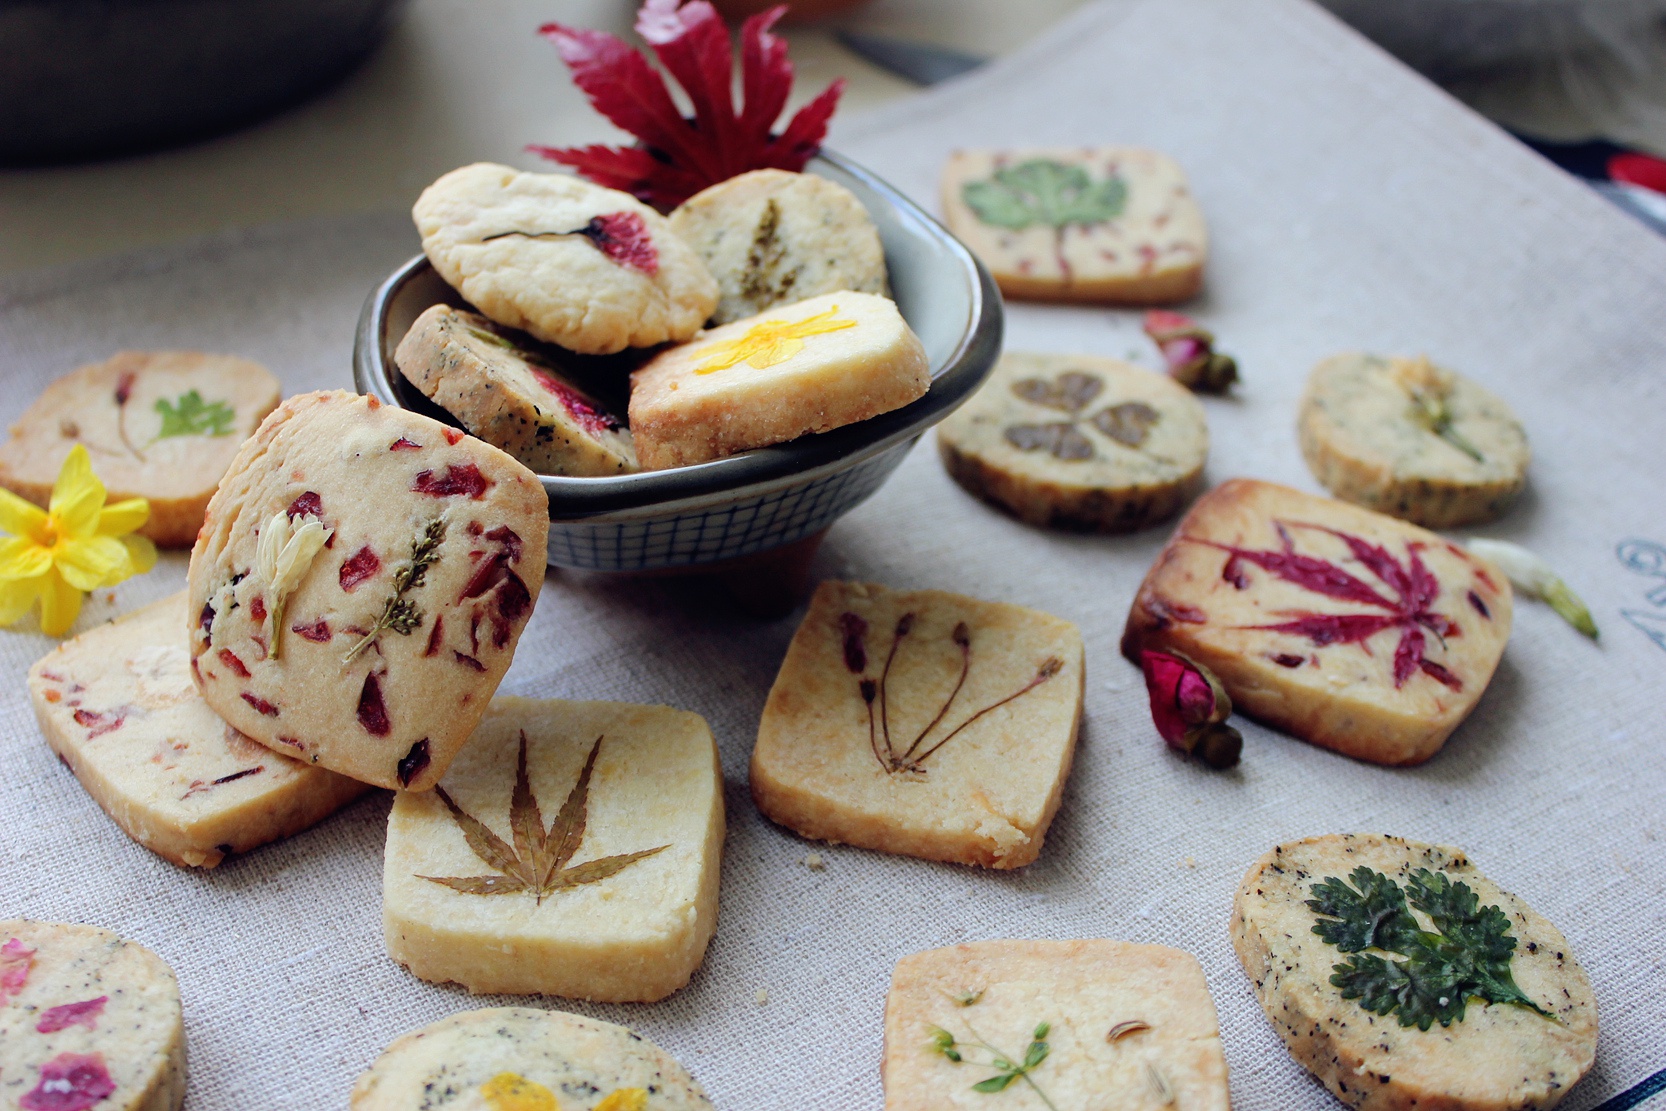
(690, 517)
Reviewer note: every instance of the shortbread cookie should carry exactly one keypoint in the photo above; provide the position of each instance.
(511, 396)
(1343, 627)
(1509, 1023)
(161, 425)
(1069, 1025)
(359, 586)
(1116, 225)
(1078, 442)
(493, 881)
(521, 1059)
(118, 705)
(591, 269)
(810, 367)
(87, 1020)
(771, 237)
(921, 723)
(1411, 439)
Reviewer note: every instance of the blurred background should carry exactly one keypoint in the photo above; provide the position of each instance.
(128, 123)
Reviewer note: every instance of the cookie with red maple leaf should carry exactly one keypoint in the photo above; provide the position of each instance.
(1346, 628)
(591, 269)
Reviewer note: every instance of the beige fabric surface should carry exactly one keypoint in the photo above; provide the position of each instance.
(1350, 206)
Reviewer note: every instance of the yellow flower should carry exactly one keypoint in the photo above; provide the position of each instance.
(508, 1092)
(770, 341)
(78, 544)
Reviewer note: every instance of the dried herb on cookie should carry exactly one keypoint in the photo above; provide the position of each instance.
(1008, 1068)
(1128, 423)
(1048, 194)
(1430, 389)
(190, 415)
(401, 613)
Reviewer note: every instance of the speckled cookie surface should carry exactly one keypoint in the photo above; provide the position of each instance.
(591, 269)
(771, 237)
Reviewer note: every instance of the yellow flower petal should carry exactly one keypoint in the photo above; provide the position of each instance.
(17, 598)
(92, 561)
(22, 558)
(78, 495)
(508, 1092)
(141, 555)
(60, 603)
(123, 517)
(769, 342)
(19, 516)
(625, 1099)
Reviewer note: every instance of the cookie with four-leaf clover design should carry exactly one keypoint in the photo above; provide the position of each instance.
(1113, 225)
(1078, 442)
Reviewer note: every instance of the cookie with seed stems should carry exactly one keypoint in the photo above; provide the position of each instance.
(160, 425)
(1366, 1047)
(592, 269)
(523, 1059)
(573, 848)
(1112, 225)
(1411, 439)
(922, 723)
(771, 237)
(511, 396)
(1077, 442)
(1098, 1024)
(87, 1020)
(118, 705)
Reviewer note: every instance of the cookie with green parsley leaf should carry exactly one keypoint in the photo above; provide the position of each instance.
(160, 425)
(1403, 978)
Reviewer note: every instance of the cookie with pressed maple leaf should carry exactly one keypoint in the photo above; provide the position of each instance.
(1071, 1025)
(159, 425)
(1346, 628)
(591, 269)
(1411, 439)
(1077, 442)
(119, 707)
(359, 586)
(1113, 225)
(809, 367)
(771, 238)
(922, 723)
(1403, 978)
(87, 1019)
(523, 1059)
(573, 848)
(510, 395)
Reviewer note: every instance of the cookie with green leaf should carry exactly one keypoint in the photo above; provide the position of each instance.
(159, 425)
(1411, 439)
(1078, 442)
(1403, 978)
(573, 848)
(1110, 225)
(1052, 1026)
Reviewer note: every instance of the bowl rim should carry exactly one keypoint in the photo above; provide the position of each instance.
(651, 493)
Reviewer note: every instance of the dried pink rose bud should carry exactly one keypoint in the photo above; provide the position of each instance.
(1190, 708)
(1188, 349)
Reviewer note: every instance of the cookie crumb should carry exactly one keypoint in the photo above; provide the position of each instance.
(1191, 862)
(763, 997)
(814, 862)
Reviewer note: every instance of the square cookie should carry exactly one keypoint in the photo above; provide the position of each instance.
(1116, 225)
(1065, 1025)
(922, 723)
(118, 705)
(583, 864)
(808, 367)
(1341, 626)
(359, 586)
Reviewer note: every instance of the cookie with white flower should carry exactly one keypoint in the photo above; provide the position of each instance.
(591, 269)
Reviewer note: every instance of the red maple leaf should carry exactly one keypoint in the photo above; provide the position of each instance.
(1413, 585)
(678, 156)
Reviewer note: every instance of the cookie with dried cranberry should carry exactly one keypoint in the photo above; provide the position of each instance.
(359, 586)
(511, 396)
(591, 269)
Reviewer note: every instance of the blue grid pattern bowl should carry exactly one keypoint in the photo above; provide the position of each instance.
(693, 516)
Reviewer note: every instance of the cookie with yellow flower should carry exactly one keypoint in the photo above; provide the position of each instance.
(522, 1059)
(813, 366)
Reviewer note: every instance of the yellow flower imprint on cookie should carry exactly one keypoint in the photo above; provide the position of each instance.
(770, 342)
(625, 1099)
(508, 1092)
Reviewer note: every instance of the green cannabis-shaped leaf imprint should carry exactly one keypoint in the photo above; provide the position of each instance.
(1048, 194)
(538, 860)
(1466, 955)
(190, 415)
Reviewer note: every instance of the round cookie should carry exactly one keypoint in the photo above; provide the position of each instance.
(87, 1019)
(1078, 442)
(591, 269)
(771, 237)
(511, 397)
(1411, 439)
(519, 1057)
